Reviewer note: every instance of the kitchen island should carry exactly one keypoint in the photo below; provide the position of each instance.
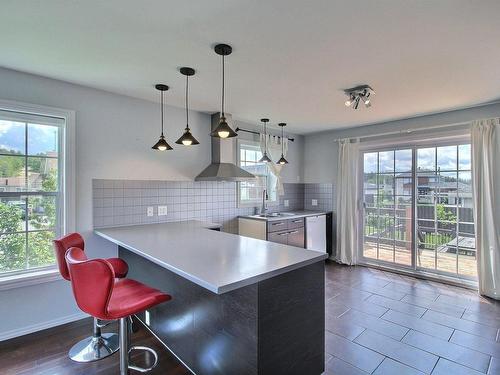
(240, 305)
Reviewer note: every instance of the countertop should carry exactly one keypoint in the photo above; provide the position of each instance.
(296, 215)
(217, 261)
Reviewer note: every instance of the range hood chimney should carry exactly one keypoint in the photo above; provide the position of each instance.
(223, 167)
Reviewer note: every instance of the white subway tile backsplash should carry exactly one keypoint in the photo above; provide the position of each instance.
(125, 202)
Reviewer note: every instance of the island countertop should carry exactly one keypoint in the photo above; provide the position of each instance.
(218, 261)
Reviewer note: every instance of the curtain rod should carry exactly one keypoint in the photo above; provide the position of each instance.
(406, 131)
(254, 132)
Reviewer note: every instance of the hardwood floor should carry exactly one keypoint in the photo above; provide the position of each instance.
(376, 323)
(46, 353)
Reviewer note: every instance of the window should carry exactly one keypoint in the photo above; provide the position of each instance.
(250, 192)
(32, 190)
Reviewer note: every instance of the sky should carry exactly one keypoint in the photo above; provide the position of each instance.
(426, 159)
(41, 138)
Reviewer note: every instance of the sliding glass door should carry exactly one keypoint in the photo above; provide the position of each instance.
(388, 206)
(418, 209)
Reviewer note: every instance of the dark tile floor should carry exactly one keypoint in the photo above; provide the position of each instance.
(376, 323)
(379, 322)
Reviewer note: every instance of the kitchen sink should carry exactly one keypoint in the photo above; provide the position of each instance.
(276, 214)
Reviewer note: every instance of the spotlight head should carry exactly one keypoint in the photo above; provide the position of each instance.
(356, 103)
(348, 103)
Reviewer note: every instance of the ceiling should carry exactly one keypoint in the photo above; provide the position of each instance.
(291, 58)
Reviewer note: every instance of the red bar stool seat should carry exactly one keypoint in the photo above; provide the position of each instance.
(99, 345)
(99, 294)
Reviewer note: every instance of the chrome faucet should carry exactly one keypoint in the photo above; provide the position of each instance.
(263, 209)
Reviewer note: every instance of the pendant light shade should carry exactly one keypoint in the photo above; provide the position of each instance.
(187, 138)
(265, 158)
(162, 144)
(223, 130)
(282, 160)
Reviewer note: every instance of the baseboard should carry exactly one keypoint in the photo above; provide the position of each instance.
(41, 326)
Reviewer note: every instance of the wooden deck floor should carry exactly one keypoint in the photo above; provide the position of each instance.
(442, 261)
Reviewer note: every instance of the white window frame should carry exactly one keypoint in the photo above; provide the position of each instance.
(256, 202)
(67, 164)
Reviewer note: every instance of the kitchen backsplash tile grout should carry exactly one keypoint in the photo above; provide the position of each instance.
(125, 202)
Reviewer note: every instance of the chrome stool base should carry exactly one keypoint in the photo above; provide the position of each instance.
(95, 348)
(98, 346)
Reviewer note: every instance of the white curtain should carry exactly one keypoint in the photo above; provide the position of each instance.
(485, 140)
(274, 152)
(347, 197)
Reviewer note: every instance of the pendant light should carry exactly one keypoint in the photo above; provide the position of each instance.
(265, 158)
(223, 130)
(282, 160)
(187, 138)
(162, 144)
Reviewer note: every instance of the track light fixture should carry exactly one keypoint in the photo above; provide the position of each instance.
(162, 144)
(357, 94)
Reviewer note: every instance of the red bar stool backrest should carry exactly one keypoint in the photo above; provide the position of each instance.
(92, 282)
(61, 246)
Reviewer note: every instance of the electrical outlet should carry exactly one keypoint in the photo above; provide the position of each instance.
(286, 203)
(162, 210)
(314, 202)
(150, 211)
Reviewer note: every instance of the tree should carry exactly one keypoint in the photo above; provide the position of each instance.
(445, 215)
(12, 246)
(14, 255)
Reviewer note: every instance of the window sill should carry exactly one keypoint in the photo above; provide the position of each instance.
(31, 278)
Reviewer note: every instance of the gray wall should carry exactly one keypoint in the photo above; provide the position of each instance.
(321, 150)
(114, 135)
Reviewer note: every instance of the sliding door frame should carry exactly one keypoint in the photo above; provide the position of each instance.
(412, 143)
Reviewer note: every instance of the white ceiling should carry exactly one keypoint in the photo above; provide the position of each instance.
(291, 58)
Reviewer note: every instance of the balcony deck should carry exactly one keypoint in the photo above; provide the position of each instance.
(446, 262)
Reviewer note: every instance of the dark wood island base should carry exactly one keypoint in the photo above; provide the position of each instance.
(272, 327)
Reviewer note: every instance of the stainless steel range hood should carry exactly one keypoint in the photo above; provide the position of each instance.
(223, 167)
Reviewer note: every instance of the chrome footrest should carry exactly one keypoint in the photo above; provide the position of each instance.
(143, 369)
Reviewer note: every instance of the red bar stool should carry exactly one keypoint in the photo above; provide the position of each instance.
(99, 294)
(99, 345)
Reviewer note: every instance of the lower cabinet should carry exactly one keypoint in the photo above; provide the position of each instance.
(296, 237)
(278, 237)
(293, 237)
(284, 231)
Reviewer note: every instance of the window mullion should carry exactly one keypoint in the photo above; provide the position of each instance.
(26, 209)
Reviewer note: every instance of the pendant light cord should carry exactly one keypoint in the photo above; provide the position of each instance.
(223, 85)
(282, 139)
(265, 137)
(161, 113)
(187, 111)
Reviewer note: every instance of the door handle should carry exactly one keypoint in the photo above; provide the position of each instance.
(295, 231)
(278, 223)
(297, 221)
(283, 234)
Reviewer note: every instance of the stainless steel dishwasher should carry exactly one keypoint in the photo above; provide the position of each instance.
(316, 233)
